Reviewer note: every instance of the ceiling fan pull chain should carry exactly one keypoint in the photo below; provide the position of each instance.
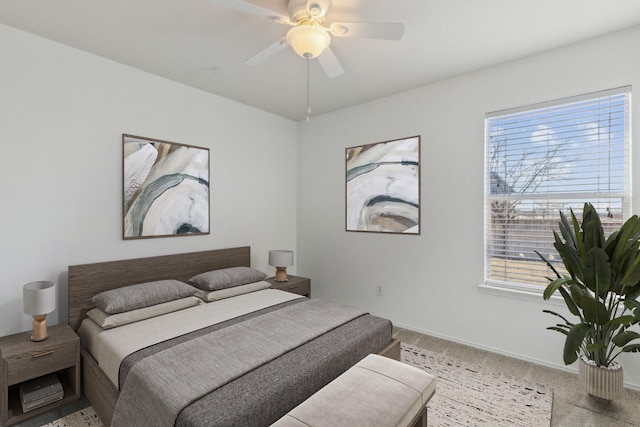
(308, 91)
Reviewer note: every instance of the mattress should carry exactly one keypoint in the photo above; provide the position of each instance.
(259, 396)
(110, 347)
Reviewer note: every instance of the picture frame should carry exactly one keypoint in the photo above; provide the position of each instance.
(165, 188)
(382, 187)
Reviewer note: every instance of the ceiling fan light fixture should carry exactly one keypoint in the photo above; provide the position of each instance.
(308, 41)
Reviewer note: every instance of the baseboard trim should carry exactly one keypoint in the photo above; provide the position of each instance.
(628, 385)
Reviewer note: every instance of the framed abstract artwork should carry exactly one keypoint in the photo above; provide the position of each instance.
(165, 188)
(383, 187)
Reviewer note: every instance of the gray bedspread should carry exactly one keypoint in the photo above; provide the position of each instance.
(160, 386)
(265, 394)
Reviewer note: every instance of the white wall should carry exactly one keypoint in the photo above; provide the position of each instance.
(62, 114)
(430, 282)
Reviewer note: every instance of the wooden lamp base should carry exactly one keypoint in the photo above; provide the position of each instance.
(281, 274)
(39, 328)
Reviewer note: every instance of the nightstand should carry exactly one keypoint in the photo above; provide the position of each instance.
(296, 284)
(23, 359)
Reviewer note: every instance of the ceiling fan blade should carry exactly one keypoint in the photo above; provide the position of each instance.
(252, 9)
(368, 30)
(330, 63)
(318, 8)
(267, 53)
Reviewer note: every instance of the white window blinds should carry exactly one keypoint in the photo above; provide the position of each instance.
(545, 158)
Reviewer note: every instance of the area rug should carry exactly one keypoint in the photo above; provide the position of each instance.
(466, 395)
(83, 418)
(469, 395)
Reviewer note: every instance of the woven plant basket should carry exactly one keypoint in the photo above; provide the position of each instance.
(605, 383)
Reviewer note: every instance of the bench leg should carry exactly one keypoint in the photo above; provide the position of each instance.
(421, 419)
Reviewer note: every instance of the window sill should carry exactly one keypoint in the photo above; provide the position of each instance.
(523, 292)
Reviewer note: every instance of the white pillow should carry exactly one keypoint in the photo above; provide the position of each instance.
(108, 321)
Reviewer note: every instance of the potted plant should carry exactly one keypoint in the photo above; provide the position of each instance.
(601, 290)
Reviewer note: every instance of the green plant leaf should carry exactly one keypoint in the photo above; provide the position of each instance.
(623, 338)
(576, 230)
(571, 305)
(578, 291)
(563, 326)
(594, 311)
(632, 274)
(574, 340)
(571, 259)
(593, 235)
(631, 304)
(633, 348)
(597, 271)
(626, 237)
(611, 243)
(622, 320)
(634, 305)
(568, 232)
(549, 265)
(558, 315)
(631, 292)
(554, 286)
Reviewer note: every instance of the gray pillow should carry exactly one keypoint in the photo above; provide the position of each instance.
(142, 295)
(232, 292)
(226, 278)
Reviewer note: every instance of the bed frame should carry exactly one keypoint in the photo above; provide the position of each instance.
(87, 280)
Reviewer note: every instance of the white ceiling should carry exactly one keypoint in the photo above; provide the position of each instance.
(203, 44)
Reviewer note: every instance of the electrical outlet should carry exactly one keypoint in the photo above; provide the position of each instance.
(379, 290)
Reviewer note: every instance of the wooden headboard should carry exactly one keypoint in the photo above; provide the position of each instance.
(87, 280)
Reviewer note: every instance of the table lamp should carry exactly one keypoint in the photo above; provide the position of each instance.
(39, 299)
(281, 260)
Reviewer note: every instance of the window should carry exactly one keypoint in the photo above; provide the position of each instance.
(547, 158)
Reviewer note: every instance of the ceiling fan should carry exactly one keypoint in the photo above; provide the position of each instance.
(308, 36)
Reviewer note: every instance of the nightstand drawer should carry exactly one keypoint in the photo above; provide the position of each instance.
(296, 284)
(299, 287)
(24, 366)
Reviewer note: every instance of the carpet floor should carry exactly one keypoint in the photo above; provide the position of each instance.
(466, 395)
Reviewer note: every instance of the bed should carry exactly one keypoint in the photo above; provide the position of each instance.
(276, 380)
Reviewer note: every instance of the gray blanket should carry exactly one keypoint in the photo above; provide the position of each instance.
(160, 386)
(265, 394)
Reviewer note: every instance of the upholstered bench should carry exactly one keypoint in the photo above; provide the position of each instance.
(377, 391)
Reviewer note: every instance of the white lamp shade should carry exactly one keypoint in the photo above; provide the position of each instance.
(308, 40)
(39, 298)
(278, 258)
